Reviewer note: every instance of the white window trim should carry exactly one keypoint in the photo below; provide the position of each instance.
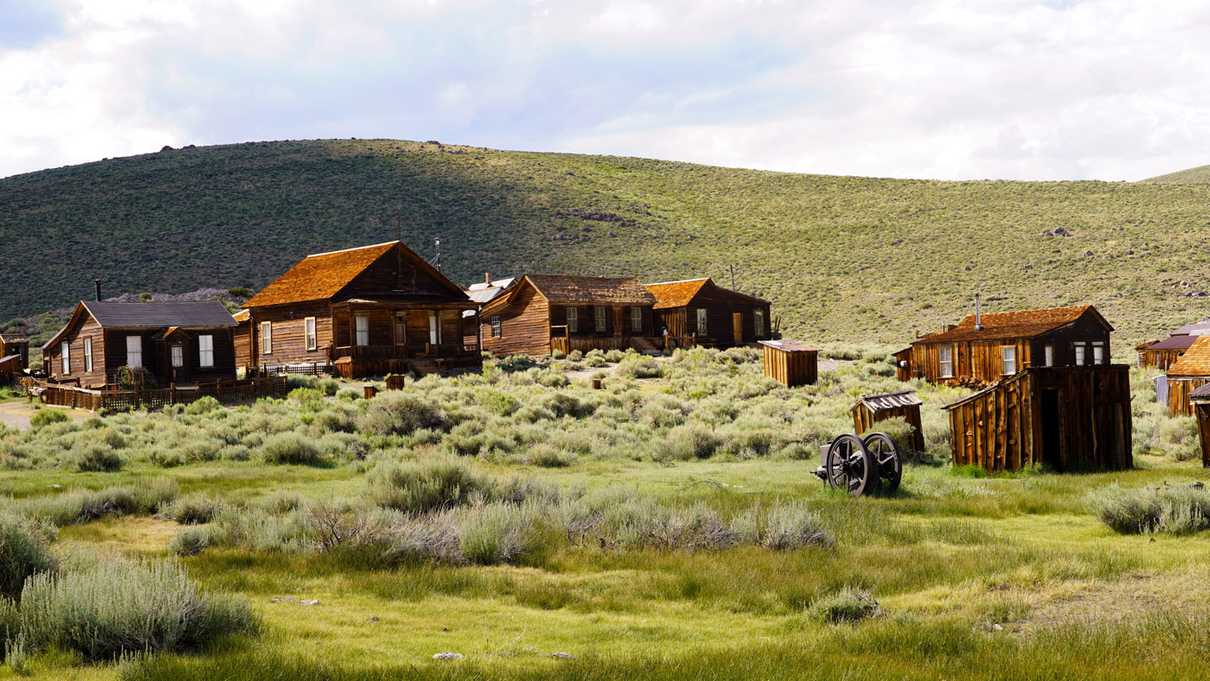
(703, 321)
(636, 319)
(943, 362)
(1098, 348)
(65, 357)
(177, 356)
(205, 355)
(497, 325)
(1079, 354)
(130, 354)
(1007, 352)
(361, 328)
(310, 334)
(1048, 355)
(266, 338)
(434, 328)
(88, 355)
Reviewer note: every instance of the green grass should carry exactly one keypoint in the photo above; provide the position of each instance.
(844, 260)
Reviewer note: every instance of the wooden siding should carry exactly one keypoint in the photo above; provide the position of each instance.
(682, 321)
(903, 364)
(21, 349)
(790, 367)
(864, 420)
(1071, 418)
(524, 326)
(86, 327)
(1159, 359)
(289, 334)
(242, 337)
(1202, 411)
(1179, 390)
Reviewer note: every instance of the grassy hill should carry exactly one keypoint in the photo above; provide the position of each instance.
(852, 260)
(1198, 175)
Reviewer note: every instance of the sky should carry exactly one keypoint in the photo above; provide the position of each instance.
(1060, 89)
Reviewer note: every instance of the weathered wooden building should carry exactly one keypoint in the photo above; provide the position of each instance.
(180, 343)
(481, 293)
(1201, 410)
(1161, 354)
(361, 312)
(14, 350)
(539, 313)
(789, 362)
(1190, 372)
(984, 348)
(871, 409)
(1064, 418)
(712, 315)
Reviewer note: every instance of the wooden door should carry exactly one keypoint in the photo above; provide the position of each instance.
(737, 327)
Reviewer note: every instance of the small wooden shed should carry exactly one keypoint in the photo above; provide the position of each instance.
(1201, 409)
(14, 345)
(1187, 374)
(789, 362)
(871, 409)
(1067, 418)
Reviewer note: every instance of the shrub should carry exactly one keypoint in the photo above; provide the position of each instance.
(98, 459)
(492, 534)
(193, 509)
(1171, 509)
(118, 607)
(425, 486)
(203, 405)
(639, 366)
(549, 457)
(401, 414)
(23, 553)
(81, 506)
(846, 606)
(782, 528)
(290, 448)
(190, 541)
(10, 626)
(46, 417)
(689, 442)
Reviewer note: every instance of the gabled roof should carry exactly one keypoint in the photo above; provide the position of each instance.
(241, 316)
(1181, 342)
(322, 276)
(1195, 361)
(1200, 328)
(895, 400)
(483, 292)
(676, 293)
(13, 338)
(207, 314)
(566, 289)
(1202, 394)
(1016, 324)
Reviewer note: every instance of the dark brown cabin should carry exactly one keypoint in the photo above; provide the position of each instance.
(361, 312)
(14, 345)
(540, 313)
(871, 409)
(1162, 354)
(1065, 418)
(984, 348)
(710, 314)
(1201, 409)
(182, 343)
(1186, 375)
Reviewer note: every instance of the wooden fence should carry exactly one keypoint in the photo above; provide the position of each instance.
(118, 399)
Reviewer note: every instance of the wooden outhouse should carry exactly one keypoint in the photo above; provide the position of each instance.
(789, 362)
(361, 312)
(1188, 373)
(1201, 409)
(15, 345)
(904, 404)
(540, 313)
(1065, 418)
(709, 314)
(984, 348)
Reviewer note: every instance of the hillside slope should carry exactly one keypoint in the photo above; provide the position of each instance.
(844, 259)
(1198, 175)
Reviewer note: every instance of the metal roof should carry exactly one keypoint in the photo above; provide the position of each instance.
(1178, 342)
(484, 292)
(895, 400)
(1201, 394)
(1016, 324)
(205, 314)
(1201, 328)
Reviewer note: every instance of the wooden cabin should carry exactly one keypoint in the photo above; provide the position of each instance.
(14, 345)
(360, 312)
(1065, 418)
(903, 364)
(1190, 372)
(710, 314)
(1201, 410)
(871, 409)
(539, 313)
(1162, 354)
(181, 343)
(481, 293)
(789, 362)
(984, 348)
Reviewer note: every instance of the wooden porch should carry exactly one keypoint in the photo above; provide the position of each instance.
(375, 338)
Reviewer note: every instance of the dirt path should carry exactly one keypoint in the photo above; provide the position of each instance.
(17, 413)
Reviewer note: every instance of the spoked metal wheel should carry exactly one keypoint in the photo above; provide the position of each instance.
(848, 465)
(890, 468)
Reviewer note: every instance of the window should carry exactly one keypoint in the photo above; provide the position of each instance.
(573, 320)
(309, 333)
(134, 352)
(636, 319)
(1079, 352)
(65, 356)
(599, 317)
(758, 321)
(434, 328)
(362, 325)
(1008, 359)
(178, 356)
(1098, 353)
(266, 338)
(497, 326)
(701, 321)
(946, 353)
(205, 351)
(401, 329)
(88, 355)
(1048, 354)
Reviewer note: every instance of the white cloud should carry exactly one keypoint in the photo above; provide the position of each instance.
(942, 88)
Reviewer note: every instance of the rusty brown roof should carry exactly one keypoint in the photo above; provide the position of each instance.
(1195, 361)
(320, 276)
(564, 289)
(676, 293)
(1016, 324)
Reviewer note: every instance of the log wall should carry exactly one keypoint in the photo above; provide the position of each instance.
(790, 367)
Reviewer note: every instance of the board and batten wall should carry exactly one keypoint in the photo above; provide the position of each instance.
(524, 326)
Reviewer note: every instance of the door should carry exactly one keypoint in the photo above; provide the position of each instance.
(1049, 411)
(737, 327)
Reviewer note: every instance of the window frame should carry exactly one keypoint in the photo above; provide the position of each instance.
(202, 351)
(1008, 354)
(138, 354)
(636, 319)
(1098, 353)
(1048, 355)
(600, 321)
(88, 355)
(310, 334)
(942, 362)
(434, 328)
(573, 319)
(497, 325)
(266, 338)
(758, 321)
(177, 356)
(358, 321)
(65, 357)
(702, 321)
(1079, 353)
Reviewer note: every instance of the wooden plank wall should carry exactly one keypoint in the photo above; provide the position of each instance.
(1202, 410)
(974, 361)
(1159, 359)
(88, 328)
(525, 326)
(864, 419)
(1179, 390)
(799, 367)
(289, 334)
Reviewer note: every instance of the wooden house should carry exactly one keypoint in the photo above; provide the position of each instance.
(984, 348)
(789, 362)
(1161, 354)
(710, 314)
(871, 409)
(360, 312)
(539, 313)
(182, 343)
(481, 293)
(1187, 374)
(1065, 418)
(1201, 410)
(14, 345)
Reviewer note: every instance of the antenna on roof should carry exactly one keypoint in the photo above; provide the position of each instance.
(978, 311)
(732, 268)
(437, 258)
